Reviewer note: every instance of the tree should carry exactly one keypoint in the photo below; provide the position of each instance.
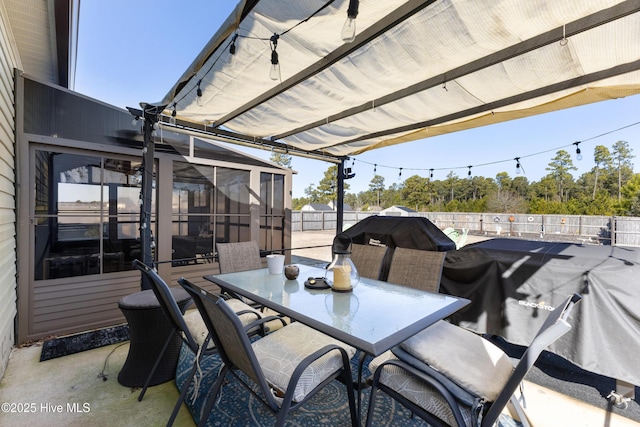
(560, 168)
(282, 159)
(452, 180)
(377, 186)
(328, 186)
(628, 204)
(601, 157)
(506, 201)
(312, 194)
(622, 157)
(504, 180)
(415, 191)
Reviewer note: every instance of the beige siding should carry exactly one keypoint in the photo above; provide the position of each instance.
(58, 304)
(8, 61)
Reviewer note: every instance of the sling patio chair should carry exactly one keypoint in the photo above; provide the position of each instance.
(283, 369)
(189, 327)
(450, 376)
(368, 259)
(238, 256)
(416, 268)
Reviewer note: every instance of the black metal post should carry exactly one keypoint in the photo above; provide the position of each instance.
(340, 198)
(146, 237)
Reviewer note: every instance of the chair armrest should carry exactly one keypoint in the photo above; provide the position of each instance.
(304, 363)
(261, 321)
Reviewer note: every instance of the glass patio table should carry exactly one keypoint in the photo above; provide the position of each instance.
(373, 318)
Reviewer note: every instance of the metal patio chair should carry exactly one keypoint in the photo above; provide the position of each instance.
(283, 369)
(450, 376)
(416, 268)
(189, 327)
(238, 256)
(368, 259)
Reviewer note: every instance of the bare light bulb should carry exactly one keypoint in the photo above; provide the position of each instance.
(349, 30)
(231, 59)
(199, 99)
(274, 70)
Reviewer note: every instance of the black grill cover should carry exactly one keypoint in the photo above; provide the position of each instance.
(409, 232)
(393, 231)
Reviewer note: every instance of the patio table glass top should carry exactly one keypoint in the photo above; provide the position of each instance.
(374, 317)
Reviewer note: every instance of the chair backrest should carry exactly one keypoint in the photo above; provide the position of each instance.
(240, 256)
(225, 328)
(554, 327)
(167, 302)
(416, 268)
(368, 259)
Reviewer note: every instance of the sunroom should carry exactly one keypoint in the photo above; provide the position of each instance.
(80, 169)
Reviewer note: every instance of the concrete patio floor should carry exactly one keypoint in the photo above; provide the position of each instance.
(70, 391)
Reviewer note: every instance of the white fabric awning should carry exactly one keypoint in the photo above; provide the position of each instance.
(416, 69)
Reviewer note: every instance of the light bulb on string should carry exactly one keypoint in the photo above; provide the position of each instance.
(348, 33)
(400, 174)
(517, 159)
(469, 173)
(199, 99)
(578, 152)
(274, 71)
(231, 59)
(172, 119)
(430, 173)
(375, 167)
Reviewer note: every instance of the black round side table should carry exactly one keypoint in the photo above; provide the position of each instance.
(149, 329)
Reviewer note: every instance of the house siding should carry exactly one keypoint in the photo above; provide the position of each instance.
(8, 297)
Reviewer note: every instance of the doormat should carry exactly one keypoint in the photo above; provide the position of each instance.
(63, 346)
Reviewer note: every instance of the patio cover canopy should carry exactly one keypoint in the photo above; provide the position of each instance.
(416, 69)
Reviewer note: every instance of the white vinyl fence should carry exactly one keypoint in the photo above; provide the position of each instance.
(604, 230)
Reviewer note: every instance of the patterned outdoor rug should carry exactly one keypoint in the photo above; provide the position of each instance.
(238, 407)
(62, 346)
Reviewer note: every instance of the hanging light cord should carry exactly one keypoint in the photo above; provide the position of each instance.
(236, 36)
(500, 161)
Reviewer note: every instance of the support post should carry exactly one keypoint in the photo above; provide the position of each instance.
(340, 198)
(150, 114)
(147, 189)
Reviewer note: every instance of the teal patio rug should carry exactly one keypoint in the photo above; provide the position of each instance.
(238, 407)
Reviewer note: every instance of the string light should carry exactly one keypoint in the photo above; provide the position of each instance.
(274, 71)
(349, 28)
(174, 113)
(469, 173)
(517, 159)
(353, 10)
(400, 174)
(578, 152)
(199, 101)
(232, 50)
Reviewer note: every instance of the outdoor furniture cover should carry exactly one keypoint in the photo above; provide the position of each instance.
(512, 283)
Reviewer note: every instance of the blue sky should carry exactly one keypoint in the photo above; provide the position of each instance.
(132, 52)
